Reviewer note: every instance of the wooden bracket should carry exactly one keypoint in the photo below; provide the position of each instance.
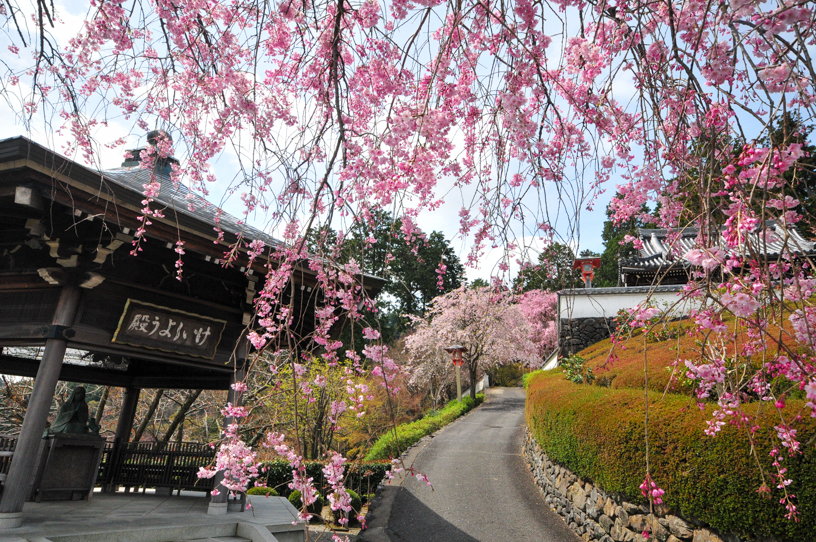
(57, 332)
(102, 253)
(28, 197)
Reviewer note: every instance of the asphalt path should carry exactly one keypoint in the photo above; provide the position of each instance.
(482, 487)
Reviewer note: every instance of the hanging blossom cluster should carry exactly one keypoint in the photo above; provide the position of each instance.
(336, 109)
(234, 459)
(300, 481)
(339, 498)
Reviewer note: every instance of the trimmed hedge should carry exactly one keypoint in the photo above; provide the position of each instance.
(268, 491)
(362, 478)
(410, 433)
(315, 508)
(525, 379)
(624, 369)
(598, 433)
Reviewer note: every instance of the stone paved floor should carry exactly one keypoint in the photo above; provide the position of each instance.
(147, 517)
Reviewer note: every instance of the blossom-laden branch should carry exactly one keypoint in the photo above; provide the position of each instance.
(337, 109)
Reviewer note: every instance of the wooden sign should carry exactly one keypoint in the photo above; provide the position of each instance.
(169, 330)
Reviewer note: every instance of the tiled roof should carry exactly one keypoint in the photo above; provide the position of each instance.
(184, 201)
(661, 250)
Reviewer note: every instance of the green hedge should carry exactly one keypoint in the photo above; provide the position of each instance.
(410, 433)
(362, 478)
(598, 433)
(315, 508)
(267, 491)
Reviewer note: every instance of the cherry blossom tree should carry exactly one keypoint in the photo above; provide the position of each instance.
(334, 109)
(430, 370)
(541, 310)
(490, 327)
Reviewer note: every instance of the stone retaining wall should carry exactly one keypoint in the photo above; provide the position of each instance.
(595, 515)
(575, 334)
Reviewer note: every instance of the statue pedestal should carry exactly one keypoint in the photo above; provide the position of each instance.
(67, 467)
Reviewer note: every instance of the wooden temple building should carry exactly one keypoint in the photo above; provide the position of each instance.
(657, 273)
(661, 259)
(68, 283)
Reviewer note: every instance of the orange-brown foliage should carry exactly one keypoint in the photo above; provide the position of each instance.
(621, 365)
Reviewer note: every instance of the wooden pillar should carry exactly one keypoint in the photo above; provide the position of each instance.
(218, 503)
(124, 426)
(21, 470)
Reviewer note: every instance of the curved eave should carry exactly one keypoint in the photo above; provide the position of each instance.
(110, 197)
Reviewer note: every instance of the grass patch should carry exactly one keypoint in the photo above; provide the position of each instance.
(396, 441)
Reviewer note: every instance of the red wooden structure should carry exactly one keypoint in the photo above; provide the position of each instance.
(587, 267)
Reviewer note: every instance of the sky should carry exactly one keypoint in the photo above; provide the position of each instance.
(444, 219)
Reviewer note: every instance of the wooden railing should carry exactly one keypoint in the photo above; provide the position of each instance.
(144, 464)
(154, 464)
(7, 445)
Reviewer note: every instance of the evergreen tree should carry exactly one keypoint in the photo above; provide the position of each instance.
(607, 274)
(409, 266)
(554, 271)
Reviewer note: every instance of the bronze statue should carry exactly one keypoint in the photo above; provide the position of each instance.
(73, 416)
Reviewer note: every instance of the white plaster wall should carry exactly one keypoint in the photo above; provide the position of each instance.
(600, 304)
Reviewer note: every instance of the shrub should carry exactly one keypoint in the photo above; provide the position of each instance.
(525, 379)
(507, 375)
(598, 434)
(398, 439)
(316, 508)
(361, 477)
(268, 491)
(620, 364)
(356, 502)
(576, 369)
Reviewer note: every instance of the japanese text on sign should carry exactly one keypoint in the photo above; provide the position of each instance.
(162, 328)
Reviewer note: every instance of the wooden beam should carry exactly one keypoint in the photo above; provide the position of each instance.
(22, 281)
(121, 379)
(24, 332)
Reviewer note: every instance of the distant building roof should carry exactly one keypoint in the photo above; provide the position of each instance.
(667, 248)
(662, 256)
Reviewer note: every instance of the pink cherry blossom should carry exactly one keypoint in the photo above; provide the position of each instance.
(328, 113)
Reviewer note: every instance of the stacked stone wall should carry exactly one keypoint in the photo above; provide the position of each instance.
(575, 334)
(594, 515)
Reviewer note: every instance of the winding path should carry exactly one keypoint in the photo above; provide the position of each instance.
(482, 488)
